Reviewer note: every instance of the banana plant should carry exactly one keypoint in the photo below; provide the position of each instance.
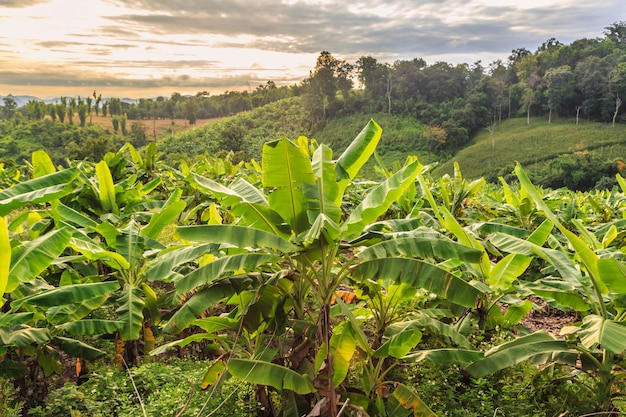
(294, 227)
(588, 280)
(28, 266)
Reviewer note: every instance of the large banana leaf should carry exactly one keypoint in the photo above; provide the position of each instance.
(42, 164)
(238, 236)
(63, 213)
(86, 246)
(92, 327)
(5, 256)
(70, 294)
(343, 347)
(23, 336)
(38, 190)
(357, 154)
(378, 200)
(130, 312)
(31, 258)
(421, 247)
(161, 267)
(215, 270)
(420, 275)
(267, 373)
(165, 215)
(106, 188)
(204, 299)
(241, 191)
(596, 330)
(285, 169)
(323, 197)
(77, 348)
(399, 339)
(516, 351)
(507, 270)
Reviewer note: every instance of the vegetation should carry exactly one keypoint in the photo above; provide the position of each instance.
(303, 287)
(557, 154)
(293, 281)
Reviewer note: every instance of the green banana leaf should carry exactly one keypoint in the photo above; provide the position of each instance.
(378, 200)
(238, 236)
(203, 299)
(71, 294)
(63, 213)
(160, 268)
(216, 269)
(241, 191)
(420, 275)
(421, 247)
(267, 373)
(38, 190)
(516, 351)
(343, 346)
(23, 336)
(15, 319)
(399, 339)
(323, 196)
(507, 270)
(170, 210)
(130, 312)
(285, 168)
(608, 333)
(31, 258)
(78, 349)
(356, 155)
(5, 256)
(42, 164)
(92, 327)
(106, 188)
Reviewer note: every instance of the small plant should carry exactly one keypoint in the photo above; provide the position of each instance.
(9, 405)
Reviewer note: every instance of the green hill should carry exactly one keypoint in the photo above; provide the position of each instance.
(547, 151)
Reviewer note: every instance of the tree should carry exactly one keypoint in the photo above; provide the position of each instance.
(560, 91)
(191, 110)
(9, 108)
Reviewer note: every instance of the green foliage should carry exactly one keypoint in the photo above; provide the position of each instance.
(9, 404)
(555, 155)
(519, 391)
(164, 389)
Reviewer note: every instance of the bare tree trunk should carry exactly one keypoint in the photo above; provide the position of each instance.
(577, 113)
(389, 94)
(550, 116)
(510, 88)
(618, 104)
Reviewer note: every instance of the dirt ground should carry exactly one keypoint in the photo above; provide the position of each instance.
(159, 127)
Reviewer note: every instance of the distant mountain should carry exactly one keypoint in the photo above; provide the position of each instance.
(22, 100)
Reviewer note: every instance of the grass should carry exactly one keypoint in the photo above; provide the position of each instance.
(534, 145)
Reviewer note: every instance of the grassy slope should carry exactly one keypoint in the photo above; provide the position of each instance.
(534, 145)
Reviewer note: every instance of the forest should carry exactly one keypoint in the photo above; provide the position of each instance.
(246, 267)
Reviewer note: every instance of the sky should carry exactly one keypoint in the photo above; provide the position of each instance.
(147, 48)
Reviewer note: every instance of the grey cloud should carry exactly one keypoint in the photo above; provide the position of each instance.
(307, 28)
(18, 4)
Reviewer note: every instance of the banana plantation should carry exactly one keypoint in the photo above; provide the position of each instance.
(295, 278)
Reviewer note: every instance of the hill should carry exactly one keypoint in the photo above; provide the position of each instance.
(546, 150)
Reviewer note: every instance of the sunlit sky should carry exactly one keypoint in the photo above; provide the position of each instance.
(146, 48)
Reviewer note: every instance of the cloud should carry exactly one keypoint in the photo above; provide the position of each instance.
(17, 4)
(385, 28)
